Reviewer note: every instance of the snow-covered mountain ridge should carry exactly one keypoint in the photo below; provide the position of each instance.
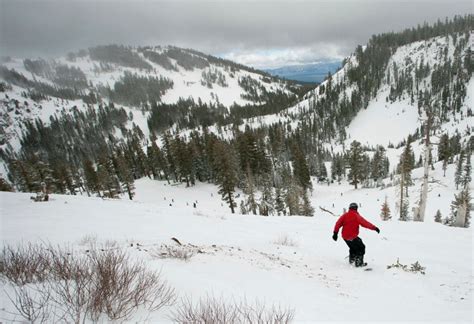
(192, 74)
(397, 114)
(131, 78)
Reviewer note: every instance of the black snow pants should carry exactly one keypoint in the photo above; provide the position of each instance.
(356, 251)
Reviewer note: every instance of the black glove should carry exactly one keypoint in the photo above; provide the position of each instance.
(377, 230)
(334, 236)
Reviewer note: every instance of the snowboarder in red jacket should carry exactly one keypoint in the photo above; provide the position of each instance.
(350, 222)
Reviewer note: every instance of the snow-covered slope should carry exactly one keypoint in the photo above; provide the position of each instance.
(386, 120)
(286, 261)
(187, 81)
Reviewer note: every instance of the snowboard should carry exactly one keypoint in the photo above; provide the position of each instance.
(364, 267)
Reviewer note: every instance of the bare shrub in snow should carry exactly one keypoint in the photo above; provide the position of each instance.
(122, 286)
(285, 240)
(183, 252)
(72, 295)
(213, 310)
(81, 287)
(31, 303)
(24, 264)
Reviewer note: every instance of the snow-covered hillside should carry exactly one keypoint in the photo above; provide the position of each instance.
(207, 79)
(188, 81)
(286, 261)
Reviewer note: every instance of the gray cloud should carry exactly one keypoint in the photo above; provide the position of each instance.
(30, 28)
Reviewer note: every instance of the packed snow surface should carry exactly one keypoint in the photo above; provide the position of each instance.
(287, 261)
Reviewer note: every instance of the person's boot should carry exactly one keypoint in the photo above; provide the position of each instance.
(359, 261)
(351, 259)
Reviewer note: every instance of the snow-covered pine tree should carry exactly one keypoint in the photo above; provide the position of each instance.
(461, 209)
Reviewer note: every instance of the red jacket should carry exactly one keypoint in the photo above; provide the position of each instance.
(350, 222)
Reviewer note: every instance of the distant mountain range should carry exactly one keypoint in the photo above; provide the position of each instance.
(312, 72)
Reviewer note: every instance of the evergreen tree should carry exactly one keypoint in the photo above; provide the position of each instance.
(444, 151)
(337, 168)
(322, 172)
(300, 168)
(107, 178)
(404, 206)
(124, 174)
(306, 208)
(355, 161)
(267, 202)
(379, 164)
(385, 212)
(225, 164)
(22, 175)
(292, 198)
(249, 190)
(438, 217)
(279, 202)
(183, 158)
(467, 175)
(4, 185)
(168, 152)
(91, 178)
(458, 175)
(406, 165)
(243, 209)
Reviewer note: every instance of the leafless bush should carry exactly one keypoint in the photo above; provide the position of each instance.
(24, 264)
(285, 240)
(211, 310)
(183, 252)
(31, 303)
(72, 295)
(122, 286)
(84, 286)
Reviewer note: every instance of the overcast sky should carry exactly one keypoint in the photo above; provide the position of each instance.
(260, 33)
